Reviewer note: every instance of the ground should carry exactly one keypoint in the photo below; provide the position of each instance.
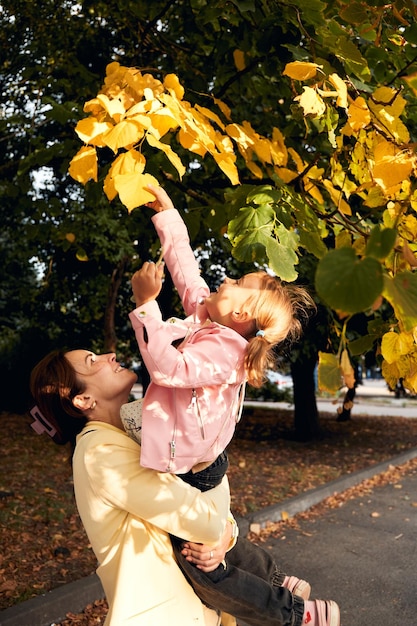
(43, 542)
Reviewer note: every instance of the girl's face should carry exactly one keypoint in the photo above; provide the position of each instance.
(103, 376)
(232, 297)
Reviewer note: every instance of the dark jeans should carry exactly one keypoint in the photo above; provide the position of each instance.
(248, 588)
(209, 477)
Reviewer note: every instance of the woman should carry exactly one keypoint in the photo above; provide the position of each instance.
(127, 510)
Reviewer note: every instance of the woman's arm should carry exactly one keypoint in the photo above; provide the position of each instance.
(112, 465)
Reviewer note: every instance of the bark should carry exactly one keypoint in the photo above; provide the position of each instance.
(306, 416)
(110, 338)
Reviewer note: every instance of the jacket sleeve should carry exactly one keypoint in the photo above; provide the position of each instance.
(212, 357)
(162, 499)
(180, 259)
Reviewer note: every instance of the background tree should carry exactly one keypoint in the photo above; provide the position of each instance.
(325, 189)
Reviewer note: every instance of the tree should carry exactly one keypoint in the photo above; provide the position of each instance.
(325, 159)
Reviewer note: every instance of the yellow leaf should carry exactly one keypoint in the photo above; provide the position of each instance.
(330, 375)
(227, 165)
(94, 107)
(394, 345)
(313, 191)
(223, 108)
(126, 163)
(341, 89)
(285, 174)
(239, 59)
(279, 150)
(301, 70)
(124, 135)
(359, 115)
(311, 102)
(113, 107)
(337, 197)
(299, 163)
(132, 189)
(172, 83)
(392, 166)
(348, 372)
(162, 122)
(83, 166)
(189, 142)
(81, 255)
(391, 373)
(91, 131)
(210, 115)
(262, 147)
(255, 169)
(172, 156)
(70, 237)
(387, 105)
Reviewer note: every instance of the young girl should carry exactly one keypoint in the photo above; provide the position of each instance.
(195, 397)
(196, 393)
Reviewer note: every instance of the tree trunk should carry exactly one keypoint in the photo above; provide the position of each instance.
(110, 338)
(306, 417)
(343, 414)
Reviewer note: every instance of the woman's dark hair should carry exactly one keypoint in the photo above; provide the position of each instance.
(54, 384)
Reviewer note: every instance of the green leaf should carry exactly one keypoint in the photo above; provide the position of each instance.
(249, 219)
(264, 195)
(330, 373)
(313, 243)
(401, 293)
(347, 283)
(250, 247)
(354, 13)
(361, 345)
(281, 260)
(381, 242)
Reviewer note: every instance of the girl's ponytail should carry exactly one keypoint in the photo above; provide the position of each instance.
(278, 312)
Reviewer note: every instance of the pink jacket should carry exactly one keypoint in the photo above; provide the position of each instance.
(196, 392)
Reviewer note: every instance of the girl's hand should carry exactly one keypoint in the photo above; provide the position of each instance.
(147, 282)
(207, 558)
(163, 202)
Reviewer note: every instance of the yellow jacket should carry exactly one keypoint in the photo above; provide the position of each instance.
(127, 511)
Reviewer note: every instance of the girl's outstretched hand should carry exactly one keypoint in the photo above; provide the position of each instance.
(163, 202)
(147, 282)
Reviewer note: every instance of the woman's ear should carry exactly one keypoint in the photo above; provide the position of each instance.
(83, 403)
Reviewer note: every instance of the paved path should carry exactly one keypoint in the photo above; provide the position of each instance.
(363, 555)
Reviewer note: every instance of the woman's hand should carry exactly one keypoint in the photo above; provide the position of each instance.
(163, 202)
(147, 282)
(207, 558)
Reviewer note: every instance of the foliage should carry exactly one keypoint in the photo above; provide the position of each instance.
(311, 104)
(354, 211)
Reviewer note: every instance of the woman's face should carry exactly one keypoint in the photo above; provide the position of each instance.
(101, 373)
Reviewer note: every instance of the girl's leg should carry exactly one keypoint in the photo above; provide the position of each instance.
(263, 565)
(241, 592)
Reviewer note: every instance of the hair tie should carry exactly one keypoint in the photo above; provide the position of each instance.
(260, 333)
(41, 424)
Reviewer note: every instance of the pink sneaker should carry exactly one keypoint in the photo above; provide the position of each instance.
(297, 586)
(321, 613)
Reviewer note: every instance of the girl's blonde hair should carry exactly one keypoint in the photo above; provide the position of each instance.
(278, 311)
